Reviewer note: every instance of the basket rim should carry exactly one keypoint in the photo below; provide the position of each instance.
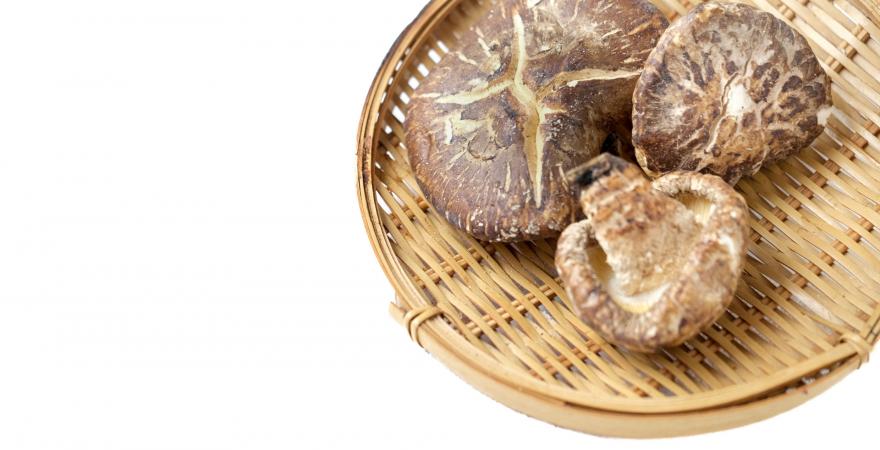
(442, 334)
(622, 423)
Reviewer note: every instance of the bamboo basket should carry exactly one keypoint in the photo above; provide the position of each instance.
(806, 312)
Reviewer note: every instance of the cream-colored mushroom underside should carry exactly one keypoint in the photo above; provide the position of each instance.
(643, 301)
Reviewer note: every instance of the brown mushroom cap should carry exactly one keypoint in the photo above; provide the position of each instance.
(539, 85)
(727, 89)
(662, 268)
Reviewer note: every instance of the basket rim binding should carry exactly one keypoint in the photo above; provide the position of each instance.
(426, 326)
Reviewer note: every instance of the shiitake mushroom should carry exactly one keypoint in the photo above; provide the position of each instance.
(728, 89)
(534, 91)
(653, 262)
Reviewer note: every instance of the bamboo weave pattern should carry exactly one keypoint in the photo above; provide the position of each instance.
(807, 304)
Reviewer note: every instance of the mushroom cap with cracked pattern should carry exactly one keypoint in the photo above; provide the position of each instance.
(534, 91)
(727, 89)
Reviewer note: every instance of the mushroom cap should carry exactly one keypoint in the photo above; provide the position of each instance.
(727, 89)
(535, 91)
(695, 289)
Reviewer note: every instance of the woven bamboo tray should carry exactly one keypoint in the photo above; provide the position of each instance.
(806, 312)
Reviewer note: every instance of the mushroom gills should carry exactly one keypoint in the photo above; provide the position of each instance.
(701, 208)
(652, 264)
(638, 303)
(698, 205)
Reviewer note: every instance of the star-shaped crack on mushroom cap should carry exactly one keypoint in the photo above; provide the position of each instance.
(533, 91)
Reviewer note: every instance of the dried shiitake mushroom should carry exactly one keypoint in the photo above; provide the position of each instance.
(653, 263)
(535, 91)
(727, 89)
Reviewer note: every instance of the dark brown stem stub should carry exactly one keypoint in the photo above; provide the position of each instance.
(583, 176)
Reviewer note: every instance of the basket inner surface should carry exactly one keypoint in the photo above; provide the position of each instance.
(810, 284)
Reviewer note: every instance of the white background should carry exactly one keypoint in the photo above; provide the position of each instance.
(182, 259)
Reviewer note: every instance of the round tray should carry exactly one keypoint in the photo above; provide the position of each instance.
(805, 315)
